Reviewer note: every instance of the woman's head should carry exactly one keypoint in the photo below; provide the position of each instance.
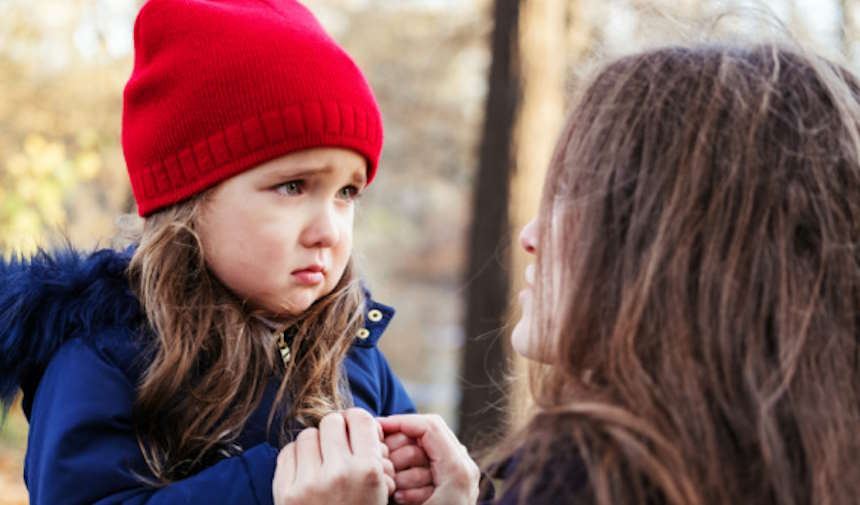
(697, 276)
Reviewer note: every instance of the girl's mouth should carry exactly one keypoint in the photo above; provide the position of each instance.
(310, 275)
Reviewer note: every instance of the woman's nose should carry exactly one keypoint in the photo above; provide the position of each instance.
(528, 237)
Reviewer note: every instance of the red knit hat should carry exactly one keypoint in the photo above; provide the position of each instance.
(221, 86)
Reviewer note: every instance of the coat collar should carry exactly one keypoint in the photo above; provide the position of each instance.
(377, 316)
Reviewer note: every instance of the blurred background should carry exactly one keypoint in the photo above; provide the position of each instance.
(473, 93)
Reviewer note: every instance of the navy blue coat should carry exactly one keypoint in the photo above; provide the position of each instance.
(66, 340)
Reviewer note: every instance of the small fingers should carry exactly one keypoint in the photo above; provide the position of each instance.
(414, 478)
(390, 486)
(380, 431)
(334, 444)
(286, 463)
(308, 454)
(413, 496)
(363, 429)
(409, 456)
(397, 440)
(388, 467)
(285, 472)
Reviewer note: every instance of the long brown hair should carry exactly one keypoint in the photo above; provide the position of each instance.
(698, 285)
(212, 356)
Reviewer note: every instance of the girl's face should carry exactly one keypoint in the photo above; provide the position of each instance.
(280, 235)
(522, 339)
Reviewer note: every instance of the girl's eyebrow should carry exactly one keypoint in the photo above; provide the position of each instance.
(276, 173)
(298, 171)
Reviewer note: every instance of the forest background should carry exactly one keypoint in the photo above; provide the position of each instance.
(473, 93)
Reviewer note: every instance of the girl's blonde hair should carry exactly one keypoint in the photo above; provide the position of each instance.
(698, 285)
(212, 357)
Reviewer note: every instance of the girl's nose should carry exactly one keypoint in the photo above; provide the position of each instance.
(528, 237)
(323, 229)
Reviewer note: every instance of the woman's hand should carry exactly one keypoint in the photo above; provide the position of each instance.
(455, 475)
(344, 461)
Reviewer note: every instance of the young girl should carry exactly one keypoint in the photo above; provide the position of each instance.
(696, 291)
(172, 372)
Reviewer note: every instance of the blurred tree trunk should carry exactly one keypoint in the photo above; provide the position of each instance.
(484, 361)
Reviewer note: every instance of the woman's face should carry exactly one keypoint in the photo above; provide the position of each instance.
(522, 339)
(280, 235)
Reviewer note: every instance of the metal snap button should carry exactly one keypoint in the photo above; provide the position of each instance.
(374, 315)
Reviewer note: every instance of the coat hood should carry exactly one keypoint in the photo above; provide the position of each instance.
(53, 297)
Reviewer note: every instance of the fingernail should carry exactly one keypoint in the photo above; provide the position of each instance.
(398, 496)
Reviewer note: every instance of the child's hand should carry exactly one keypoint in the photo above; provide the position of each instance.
(387, 464)
(342, 461)
(412, 476)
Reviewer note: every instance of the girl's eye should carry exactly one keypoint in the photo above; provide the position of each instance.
(290, 188)
(348, 192)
